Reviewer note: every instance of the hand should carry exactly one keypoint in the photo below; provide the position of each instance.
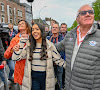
(24, 36)
(3, 63)
(16, 47)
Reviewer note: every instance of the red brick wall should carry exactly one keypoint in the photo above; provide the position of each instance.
(12, 5)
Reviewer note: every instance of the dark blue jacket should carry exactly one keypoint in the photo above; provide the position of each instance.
(60, 38)
(2, 51)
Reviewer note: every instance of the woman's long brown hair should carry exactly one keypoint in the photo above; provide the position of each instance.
(43, 45)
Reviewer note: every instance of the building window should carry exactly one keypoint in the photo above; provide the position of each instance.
(11, 20)
(2, 7)
(3, 19)
(0, 18)
(10, 11)
(18, 1)
(19, 13)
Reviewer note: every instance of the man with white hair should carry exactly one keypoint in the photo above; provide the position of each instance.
(82, 50)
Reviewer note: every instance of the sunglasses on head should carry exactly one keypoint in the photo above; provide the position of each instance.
(91, 12)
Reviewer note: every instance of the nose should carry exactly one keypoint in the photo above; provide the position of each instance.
(87, 13)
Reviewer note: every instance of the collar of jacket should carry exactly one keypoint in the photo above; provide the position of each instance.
(94, 28)
(74, 31)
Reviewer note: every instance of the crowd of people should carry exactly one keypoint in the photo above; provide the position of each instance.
(54, 60)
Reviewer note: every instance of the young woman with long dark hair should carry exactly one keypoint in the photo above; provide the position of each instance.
(39, 54)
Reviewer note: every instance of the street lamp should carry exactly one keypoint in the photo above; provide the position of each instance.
(40, 11)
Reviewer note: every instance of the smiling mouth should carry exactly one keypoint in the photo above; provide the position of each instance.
(20, 26)
(35, 35)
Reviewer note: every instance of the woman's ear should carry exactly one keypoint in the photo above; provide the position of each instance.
(77, 19)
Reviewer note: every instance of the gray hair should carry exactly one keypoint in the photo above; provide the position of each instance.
(81, 8)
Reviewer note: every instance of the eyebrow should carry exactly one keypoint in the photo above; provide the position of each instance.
(36, 28)
(55, 27)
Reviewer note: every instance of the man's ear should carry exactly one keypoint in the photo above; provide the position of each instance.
(77, 20)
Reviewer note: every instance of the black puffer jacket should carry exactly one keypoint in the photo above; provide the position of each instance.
(85, 74)
(1, 51)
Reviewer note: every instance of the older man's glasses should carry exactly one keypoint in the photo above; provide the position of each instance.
(91, 12)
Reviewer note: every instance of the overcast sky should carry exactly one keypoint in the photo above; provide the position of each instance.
(63, 11)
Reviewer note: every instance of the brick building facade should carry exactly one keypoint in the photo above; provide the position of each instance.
(11, 11)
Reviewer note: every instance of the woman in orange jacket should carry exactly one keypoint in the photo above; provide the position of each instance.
(24, 28)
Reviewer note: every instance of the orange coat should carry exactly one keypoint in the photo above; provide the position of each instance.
(19, 66)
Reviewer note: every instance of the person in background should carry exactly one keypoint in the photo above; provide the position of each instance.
(63, 29)
(56, 38)
(12, 31)
(82, 49)
(10, 63)
(51, 24)
(40, 54)
(32, 22)
(5, 37)
(24, 28)
(47, 29)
